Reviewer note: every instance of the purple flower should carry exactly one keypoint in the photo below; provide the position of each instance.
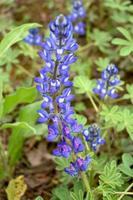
(34, 38)
(77, 145)
(82, 164)
(106, 86)
(71, 170)
(78, 166)
(63, 149)
(53, 132)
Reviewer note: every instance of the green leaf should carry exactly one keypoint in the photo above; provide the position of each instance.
(127, 163)
(20, 131)
(25, 112)
(125, 122)
(1, 98)
(62, 193)
(61, 163)
(125, 51)
(129, 89)
(81, 119)
(119, 41)
(102, 63)
(22, 95)
(83, 84)
(127, 45)
(39, 198)
(125, 32)
(111, 175)
(15, 36)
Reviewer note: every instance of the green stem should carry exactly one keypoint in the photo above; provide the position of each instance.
(93, 102)
(86, 182)
(125, 192)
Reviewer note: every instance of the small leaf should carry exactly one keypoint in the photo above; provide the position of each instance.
(126, 166)
(83, 84)
(125, 33)
(22, 95)
(16, 188)
(15, 35)
(125, 51)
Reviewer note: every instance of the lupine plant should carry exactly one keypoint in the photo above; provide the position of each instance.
(77, 114)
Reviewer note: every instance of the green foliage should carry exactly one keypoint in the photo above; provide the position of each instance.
(110, 180)
(119, 118)
(101, 40)
(83, 84)
(81, 119)
(119, 5)
(129, 89)
(127, 163)
(61, 193)
(111, 176)
(126, 45)
(20, 132)
(10, 58)
(22, 95)
(102, 63)
(39, 198)
(15, 36)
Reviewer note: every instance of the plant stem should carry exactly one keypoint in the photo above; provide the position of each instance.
(125, 192)
(93, 102)
(86, 182)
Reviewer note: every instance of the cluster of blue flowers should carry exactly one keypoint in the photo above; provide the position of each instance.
(92, 135)
(106, 86)
(77, 15)
(34, 38)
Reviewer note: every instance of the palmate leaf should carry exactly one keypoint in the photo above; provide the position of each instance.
(127, 163)
(101, 39)
(129, 89)
(126, 45)
(118, 117)
(102, 63)
(110, 180)
(83, 84)
(61, 193)
(125, 122)
(118, 4)
(15, 35)
(110, 115)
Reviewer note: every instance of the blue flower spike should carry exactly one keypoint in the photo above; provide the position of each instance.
(106, 86)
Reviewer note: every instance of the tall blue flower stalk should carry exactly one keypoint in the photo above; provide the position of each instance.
(55, 86)
(77, 16)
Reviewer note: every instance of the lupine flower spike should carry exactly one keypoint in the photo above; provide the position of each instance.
(106, 86)
(77, 15)
(55, 87)
(33, 38)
